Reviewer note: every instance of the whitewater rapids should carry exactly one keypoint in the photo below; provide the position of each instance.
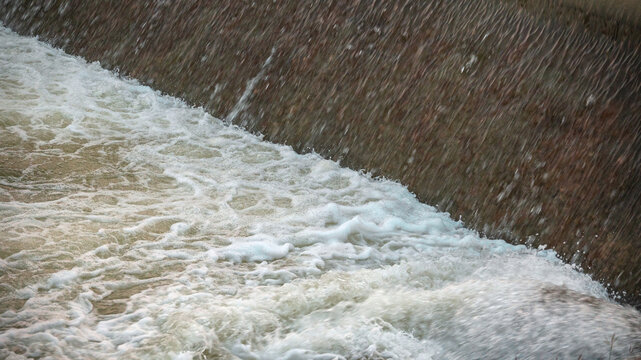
(133, 226)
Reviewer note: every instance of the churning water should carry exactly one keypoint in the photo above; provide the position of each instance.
(135, 226)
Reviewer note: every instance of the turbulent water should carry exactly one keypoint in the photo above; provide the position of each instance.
(135, 226)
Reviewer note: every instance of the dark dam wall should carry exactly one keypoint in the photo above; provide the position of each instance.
(520, 117)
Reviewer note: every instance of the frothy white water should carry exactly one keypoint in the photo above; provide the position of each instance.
(134, 226)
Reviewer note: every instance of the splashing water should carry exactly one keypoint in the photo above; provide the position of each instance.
(134, 226)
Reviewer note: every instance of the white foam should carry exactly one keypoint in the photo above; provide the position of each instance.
(260, 250)
(62, 278)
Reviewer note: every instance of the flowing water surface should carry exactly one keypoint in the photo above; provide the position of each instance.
(134, 226)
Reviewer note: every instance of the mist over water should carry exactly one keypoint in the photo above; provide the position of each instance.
(135, 226)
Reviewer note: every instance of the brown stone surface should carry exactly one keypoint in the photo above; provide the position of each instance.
(525, 124)
(617, 19)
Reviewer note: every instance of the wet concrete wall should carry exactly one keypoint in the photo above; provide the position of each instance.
(513, 116)
(619, 20)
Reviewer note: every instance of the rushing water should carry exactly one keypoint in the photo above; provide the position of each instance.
(134, 226)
